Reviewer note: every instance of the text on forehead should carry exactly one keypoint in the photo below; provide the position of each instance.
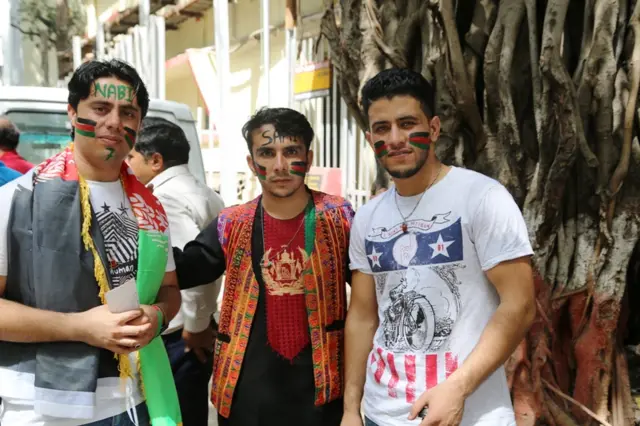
(118, 92)
(272, 136)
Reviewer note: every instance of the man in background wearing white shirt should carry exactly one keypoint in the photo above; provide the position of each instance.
(160, 158)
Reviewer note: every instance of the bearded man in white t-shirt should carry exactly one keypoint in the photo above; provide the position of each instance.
(442, 289)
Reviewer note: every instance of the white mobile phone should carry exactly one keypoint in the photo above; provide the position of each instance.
(123, 298)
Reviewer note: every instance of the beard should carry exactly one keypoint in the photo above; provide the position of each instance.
(407, 173)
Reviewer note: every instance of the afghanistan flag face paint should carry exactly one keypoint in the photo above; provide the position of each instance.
(85, 127)
(298, 168)
(380, 149)
(261, 171)
(420, 140)
(130, 136)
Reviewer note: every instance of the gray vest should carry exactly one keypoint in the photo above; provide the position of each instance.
(50, 269)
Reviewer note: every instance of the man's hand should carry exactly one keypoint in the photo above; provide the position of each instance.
(200, 343)
(444, 403)
(351, 418)
(148, 318)
(120, 333)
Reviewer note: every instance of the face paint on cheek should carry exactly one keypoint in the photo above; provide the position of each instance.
(130, 136)
(298, 168)
(111, 152)
(85, 127)
(380, 149)
(261, 171)
(420, 140)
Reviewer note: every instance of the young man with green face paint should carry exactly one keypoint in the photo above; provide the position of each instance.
(105, 97)
(95, 228)
(278, 357)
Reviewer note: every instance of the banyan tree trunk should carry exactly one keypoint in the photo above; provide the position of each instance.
(540, 95)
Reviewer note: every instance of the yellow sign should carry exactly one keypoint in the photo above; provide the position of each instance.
(312, 80)
(314, 182)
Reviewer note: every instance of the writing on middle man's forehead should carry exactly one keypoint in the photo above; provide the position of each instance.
(272, 136)
(117, 92)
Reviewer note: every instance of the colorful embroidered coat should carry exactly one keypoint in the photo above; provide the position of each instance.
(325, 275)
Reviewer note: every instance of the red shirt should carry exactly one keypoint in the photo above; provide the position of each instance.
(282, 267)
(14, 161)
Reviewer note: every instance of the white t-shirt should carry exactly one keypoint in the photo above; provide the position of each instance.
(434, 299)
(119, 229)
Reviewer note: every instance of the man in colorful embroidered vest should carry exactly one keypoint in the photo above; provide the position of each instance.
(160, 160)
(278, 356)
(9, 138)
(442, 284)
(76, 227)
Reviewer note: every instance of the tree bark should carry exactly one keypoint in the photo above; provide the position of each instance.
(549, 108)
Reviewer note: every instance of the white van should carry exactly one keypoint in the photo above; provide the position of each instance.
(41, 115)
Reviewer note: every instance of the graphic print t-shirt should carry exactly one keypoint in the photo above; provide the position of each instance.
(119, 229)
(434, 299)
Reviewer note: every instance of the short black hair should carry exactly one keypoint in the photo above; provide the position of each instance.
(158, 135)
(9, 135)
(83, 78)
(398, 82)
(287, 122)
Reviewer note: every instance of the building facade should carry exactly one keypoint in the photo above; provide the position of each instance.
(185, 40)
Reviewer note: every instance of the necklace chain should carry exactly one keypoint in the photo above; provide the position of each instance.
(267, 262)
(404, 219)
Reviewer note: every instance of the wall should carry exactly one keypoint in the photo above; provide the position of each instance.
(248, 88)
(33, 73)
(194, 33)
(180, 87)
(245, 16)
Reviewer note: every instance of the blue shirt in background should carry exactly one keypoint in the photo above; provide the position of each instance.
(7, 174)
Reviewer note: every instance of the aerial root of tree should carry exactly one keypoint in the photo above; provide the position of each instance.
(549, 108)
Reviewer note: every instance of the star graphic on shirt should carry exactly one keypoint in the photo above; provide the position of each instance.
(123, 209)
(375, 258)
(440, 247)
(105, 207)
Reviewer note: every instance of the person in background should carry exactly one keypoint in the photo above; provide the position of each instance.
(7, 174)
(159, 160)
(9, 138)
(87, 277)
(442, 289)
(278, 355)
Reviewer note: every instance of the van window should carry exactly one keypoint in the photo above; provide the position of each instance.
(45, 133)
(42, 133)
